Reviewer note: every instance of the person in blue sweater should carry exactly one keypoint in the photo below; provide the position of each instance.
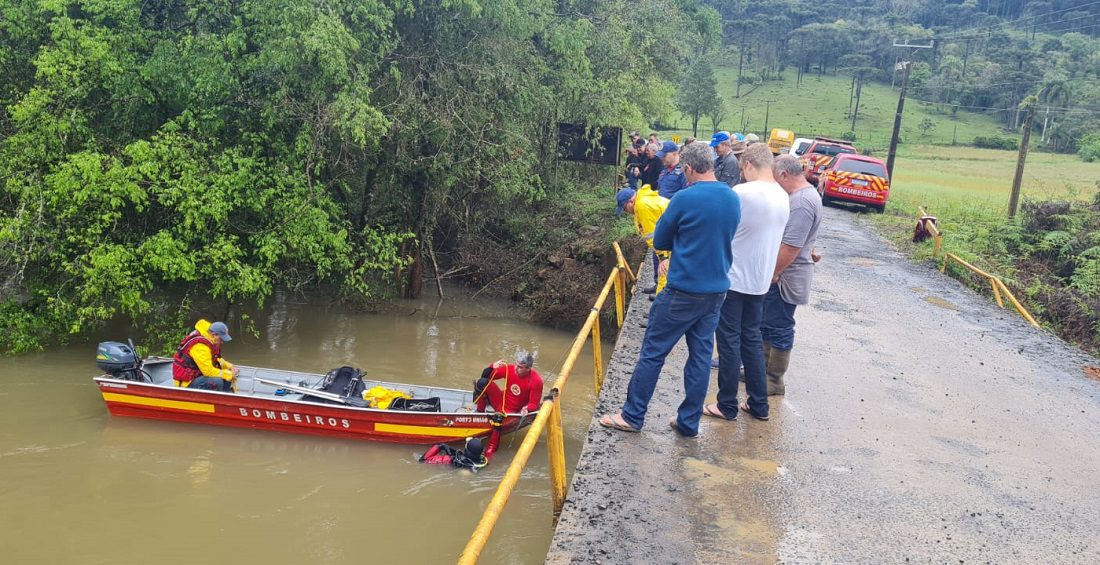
(697, 227)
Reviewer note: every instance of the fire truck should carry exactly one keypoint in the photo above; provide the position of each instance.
(820, 152)
(855, 178)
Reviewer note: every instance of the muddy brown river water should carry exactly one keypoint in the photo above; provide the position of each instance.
(80, 486)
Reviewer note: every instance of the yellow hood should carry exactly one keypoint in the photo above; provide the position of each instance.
(203, 327)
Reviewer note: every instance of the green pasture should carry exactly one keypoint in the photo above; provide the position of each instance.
(819, 106)
(940, 178)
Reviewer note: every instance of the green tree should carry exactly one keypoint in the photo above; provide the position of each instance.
(698, 93)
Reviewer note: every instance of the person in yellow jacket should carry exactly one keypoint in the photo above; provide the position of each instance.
(198, 361)
(646, 206)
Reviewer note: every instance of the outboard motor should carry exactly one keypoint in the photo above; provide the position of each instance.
(118, 360)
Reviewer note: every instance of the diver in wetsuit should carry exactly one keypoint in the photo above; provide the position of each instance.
(473, 456)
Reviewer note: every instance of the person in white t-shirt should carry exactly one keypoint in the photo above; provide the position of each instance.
(764, 211)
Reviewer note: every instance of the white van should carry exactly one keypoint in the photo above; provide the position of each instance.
(799, 146)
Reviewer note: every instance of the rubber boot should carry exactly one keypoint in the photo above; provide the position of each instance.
(778, 361)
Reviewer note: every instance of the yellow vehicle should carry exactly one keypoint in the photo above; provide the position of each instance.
(780, 140)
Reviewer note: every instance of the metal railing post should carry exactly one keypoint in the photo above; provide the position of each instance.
(996, 291)
(622, 261)
(620, 291)
(996, 282)
(597, 354)
(937, 236)
(1019, 307)
(555, 446)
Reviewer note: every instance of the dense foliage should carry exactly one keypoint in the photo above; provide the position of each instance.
(162, 156)
(163, 153)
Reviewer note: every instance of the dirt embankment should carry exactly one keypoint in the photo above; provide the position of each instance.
(557, 281)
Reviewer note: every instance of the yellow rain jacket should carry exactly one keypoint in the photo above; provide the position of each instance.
(382, 397)
(204, 358)
(648, 207)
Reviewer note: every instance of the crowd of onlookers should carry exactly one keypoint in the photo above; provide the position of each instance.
(732, 229)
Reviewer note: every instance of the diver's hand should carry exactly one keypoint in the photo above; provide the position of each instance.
(523, 412)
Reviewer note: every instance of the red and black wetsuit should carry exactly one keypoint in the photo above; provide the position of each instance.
(443, 454)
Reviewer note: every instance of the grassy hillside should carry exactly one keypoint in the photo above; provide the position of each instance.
(820, 107)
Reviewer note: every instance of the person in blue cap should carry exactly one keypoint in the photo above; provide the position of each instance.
(672, 178)
(726, 167)
(198, 361)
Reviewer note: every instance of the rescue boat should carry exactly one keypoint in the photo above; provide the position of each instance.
(330, 405)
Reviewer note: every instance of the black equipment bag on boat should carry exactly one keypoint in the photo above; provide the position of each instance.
(344, 381)
(432, 404)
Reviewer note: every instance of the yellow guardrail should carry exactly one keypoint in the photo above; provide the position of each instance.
(995, 282)
(549, 415)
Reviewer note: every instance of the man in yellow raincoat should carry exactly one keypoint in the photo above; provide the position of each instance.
(198, 361)
(646, 206)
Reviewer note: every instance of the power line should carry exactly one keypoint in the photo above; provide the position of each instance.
(1009, 109)
(1049, 32)
(1017, 20)
(1028, 82)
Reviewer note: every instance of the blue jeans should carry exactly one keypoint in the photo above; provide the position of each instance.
(631, 179)
(675, 314)
(778, 326)
(739, 341)
(211, 383)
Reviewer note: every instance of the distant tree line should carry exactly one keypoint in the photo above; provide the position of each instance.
(989, 55)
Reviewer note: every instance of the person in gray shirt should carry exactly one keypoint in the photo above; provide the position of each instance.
(794, 270)
(726, 167)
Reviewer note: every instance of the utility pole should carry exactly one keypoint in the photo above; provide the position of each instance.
(1014, 199)
(901, 104)
(767, 111)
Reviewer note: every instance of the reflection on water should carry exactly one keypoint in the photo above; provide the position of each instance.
(79, 486)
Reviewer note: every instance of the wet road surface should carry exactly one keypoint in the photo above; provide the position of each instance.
(921, 424)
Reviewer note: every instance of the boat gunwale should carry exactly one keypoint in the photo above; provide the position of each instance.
(104, 378)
